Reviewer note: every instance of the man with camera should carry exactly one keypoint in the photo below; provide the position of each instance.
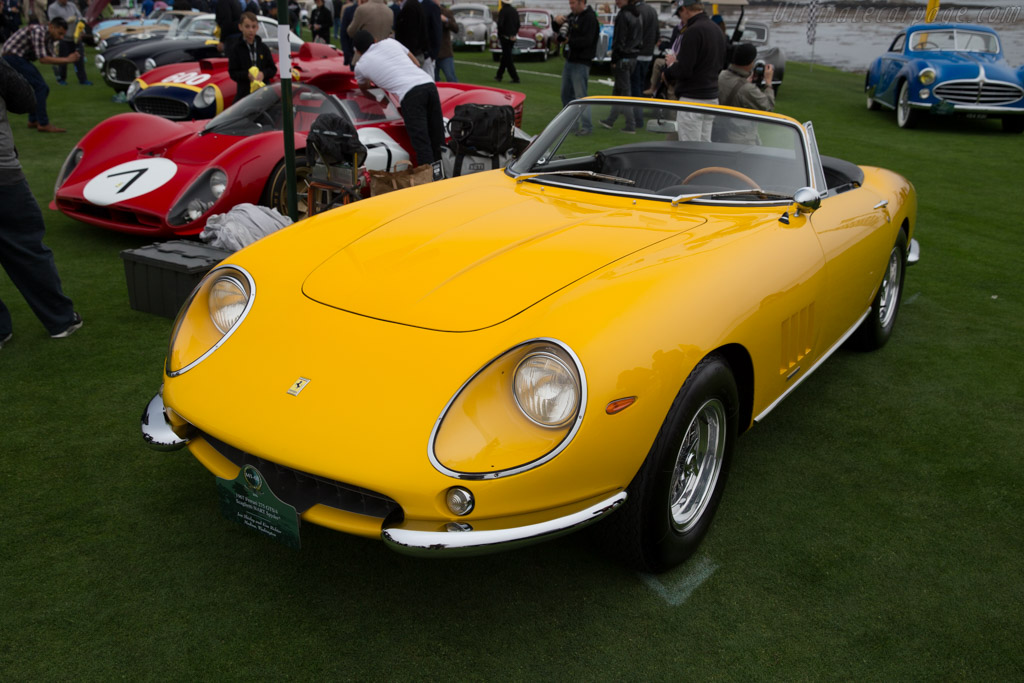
(746, 83)
(578, 33)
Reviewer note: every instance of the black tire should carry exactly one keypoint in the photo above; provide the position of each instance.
(871, 104)
(906, 116)
(275, 193)
(1013, 124)
(876, 329)
(673, 497)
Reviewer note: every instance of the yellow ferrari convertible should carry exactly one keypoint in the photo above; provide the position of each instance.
(502, 358)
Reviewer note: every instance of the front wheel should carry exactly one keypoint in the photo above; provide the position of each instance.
(876, 329)
(275, 194)
(872, 105)
(906, 116)
(673, 497)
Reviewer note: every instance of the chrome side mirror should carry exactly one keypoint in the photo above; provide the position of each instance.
(805, 200)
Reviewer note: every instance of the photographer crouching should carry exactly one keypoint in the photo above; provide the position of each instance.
(744, 84)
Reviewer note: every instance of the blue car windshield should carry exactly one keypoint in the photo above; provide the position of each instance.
(953, 40)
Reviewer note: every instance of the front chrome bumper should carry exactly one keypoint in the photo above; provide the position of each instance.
(156, 428)
(457, 542)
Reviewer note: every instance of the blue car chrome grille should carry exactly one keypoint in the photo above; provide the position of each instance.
(302, 490)
(167, 107)
(975, 92)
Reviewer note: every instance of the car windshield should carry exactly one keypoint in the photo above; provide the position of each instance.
(953, 40)
(749, 158)
(539, 19)
(261, 111)
(200, 27)
(468, 12)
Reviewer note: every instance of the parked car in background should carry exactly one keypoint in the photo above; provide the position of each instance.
(147, 175)
(160, 24)
(536, 35)
(475, 26)
(606, 28)
(192, 40)
(485, 362)
(947, 69)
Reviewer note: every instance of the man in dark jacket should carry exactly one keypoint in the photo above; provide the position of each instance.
(508, 31)
(228, 14)
(411, 29)
(625, 48)
(649, 35)
(579, 33)
(694, 69)
(250, 52)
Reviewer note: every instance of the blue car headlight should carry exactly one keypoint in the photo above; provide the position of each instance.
(927, 76)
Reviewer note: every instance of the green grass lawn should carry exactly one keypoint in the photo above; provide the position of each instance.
(871, 527)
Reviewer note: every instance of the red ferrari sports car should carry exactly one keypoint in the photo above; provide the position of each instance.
(203, 89)
(144, 174)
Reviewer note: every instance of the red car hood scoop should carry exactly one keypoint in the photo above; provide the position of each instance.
(465, 263)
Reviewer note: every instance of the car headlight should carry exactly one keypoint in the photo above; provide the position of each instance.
(100, 61)
(149, 64)
(112, 73)
(134, 89)
(517, 412)
(205, 97)
(927, 76)
(212, 313)
(218, 183)
(72, 161)
(199, 198)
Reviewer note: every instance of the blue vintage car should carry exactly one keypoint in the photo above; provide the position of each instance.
(947, 69)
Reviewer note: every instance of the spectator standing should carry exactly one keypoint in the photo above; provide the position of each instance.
(69, 12)
(579, 33)
(228, 15)
(411, 29)
(736, 88)
(694, 69)
(320, 23)
(339, 7)
(649, 35)
(445, 56)
(348, 15)
(26, 260)
(432, 15)
(31, 43)
(12, 18)
(373, 16)
(247, 52)
(508, 31)
(625, 49)
(391, 66)
(147, 7)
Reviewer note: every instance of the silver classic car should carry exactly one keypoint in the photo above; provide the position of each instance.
(474, 26)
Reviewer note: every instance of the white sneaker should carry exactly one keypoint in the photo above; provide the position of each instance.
(71, 329)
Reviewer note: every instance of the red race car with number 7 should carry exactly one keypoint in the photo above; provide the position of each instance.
(144, 174)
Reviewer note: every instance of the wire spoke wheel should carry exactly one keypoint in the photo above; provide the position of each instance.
(698, 465)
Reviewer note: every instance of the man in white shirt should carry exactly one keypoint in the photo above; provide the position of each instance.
(389, 65)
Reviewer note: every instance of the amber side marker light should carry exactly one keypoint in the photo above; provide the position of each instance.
(619, 404)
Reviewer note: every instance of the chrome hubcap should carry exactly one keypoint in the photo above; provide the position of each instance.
(698, 464)
(903, 109)
(890, 289)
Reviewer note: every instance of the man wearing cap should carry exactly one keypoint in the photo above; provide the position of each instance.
(389, 65)
(694, 69)
(736, 88)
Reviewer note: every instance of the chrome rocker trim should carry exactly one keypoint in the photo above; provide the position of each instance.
(156, 428)
(464, 543)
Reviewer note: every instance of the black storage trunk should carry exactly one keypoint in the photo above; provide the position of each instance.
(162, 275)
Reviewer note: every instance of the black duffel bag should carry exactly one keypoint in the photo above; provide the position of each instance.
(336, 140)
(485, 128)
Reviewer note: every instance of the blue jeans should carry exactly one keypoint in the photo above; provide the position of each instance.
(447, 67)
(623, 72)
(637, 83)
(35, 79)
(574, 86)
(64, 48)
(29, 263)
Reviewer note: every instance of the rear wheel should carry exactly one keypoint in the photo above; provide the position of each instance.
(275, 194)
(906, 116)
(673, 497)
(876, 329)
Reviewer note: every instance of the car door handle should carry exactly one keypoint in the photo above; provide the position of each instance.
(881, 205)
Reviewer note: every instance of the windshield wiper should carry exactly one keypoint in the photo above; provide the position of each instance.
(759, 193)
(582, 174)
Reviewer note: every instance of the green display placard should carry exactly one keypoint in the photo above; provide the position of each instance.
(248, 500)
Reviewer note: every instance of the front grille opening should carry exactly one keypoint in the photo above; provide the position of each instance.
(302, 490)
(167, 107)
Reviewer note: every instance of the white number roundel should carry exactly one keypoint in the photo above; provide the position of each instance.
(129, 180)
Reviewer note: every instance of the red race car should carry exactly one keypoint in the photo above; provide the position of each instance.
(203, 89)
(144, 174)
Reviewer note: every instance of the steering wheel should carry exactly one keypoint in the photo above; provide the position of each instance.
(724, 171)
(264, 115)
(926, 45)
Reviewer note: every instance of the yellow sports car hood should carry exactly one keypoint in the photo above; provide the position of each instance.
(462, 263)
